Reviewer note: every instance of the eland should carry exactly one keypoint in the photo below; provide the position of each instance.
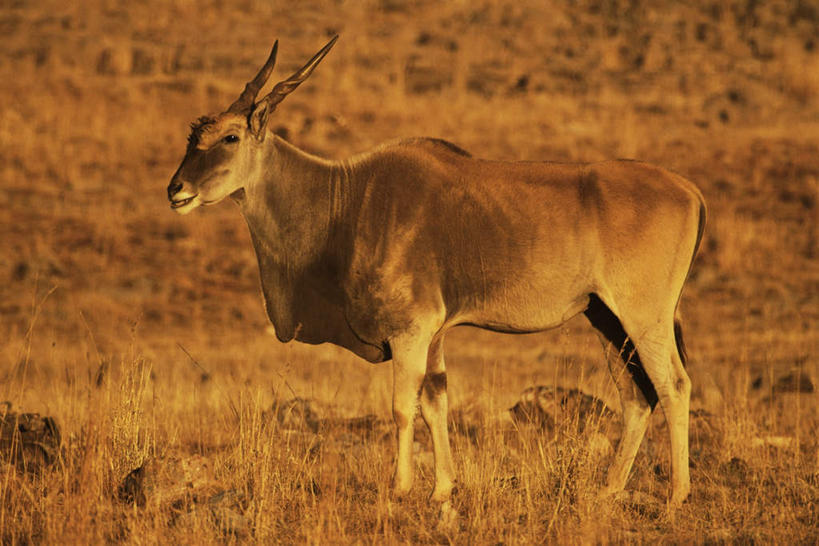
(384, 252)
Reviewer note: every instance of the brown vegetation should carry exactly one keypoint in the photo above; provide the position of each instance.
(144, 337)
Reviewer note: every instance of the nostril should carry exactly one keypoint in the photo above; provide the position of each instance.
(173, 188)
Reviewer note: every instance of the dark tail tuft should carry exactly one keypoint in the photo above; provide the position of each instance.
(678, 336)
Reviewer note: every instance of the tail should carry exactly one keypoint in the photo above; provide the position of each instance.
(678, 335)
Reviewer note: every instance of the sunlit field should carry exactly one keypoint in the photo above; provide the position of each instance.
(181, 418)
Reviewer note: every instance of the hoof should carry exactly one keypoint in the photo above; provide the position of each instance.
(447, 518)
(400, 489)
(678, 500)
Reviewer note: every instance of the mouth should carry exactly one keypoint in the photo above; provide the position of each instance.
(182, 202)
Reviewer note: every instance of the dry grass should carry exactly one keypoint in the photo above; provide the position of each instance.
(101, 283)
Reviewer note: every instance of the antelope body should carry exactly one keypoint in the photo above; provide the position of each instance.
(382, 253)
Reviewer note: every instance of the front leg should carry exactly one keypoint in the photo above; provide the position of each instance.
(409, 362)
(434, 412)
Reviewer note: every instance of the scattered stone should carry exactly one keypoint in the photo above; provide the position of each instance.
(169, 480)
(114, 61)
(362, 425)
(301, 414)
(777, 442)
(736, 472)
(423, 76)
(223, 510)
(132, 488)
(547, 406)
(186, 487)
(142, 62)
(487, 78)
(795, 381)
(27, 440)
(296, 414)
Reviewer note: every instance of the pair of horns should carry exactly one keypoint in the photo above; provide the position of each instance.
(246, 101)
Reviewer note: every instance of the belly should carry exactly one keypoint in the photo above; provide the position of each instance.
(521, 313)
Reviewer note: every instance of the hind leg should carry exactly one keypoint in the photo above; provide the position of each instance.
(681, 389)
(636, 414)
(664, 366)
(637, 395)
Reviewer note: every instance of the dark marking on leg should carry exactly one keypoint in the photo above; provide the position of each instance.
(607, 323)
(435, 383)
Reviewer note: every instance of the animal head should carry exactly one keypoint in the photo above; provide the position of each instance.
(223, 150)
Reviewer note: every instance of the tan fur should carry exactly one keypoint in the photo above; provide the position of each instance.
(384, 252)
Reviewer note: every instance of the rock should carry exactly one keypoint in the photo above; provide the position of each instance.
(296, 414)
(735, 472)
(301, 414)
(168, 480)
(423, 76)
(546, 407)
(142, 62)
(114, 61)
(185, 486)
(28, 440)
(487, 78)
(795, 381)
(363, 425)
(776, 442)
(223, 510)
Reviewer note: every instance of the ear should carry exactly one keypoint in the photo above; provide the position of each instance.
(259, 118)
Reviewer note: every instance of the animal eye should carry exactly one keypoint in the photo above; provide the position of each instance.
(231, 138)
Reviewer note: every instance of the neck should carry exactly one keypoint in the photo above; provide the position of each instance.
(296, 204)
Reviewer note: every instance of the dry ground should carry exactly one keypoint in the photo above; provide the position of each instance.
(104, 292)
